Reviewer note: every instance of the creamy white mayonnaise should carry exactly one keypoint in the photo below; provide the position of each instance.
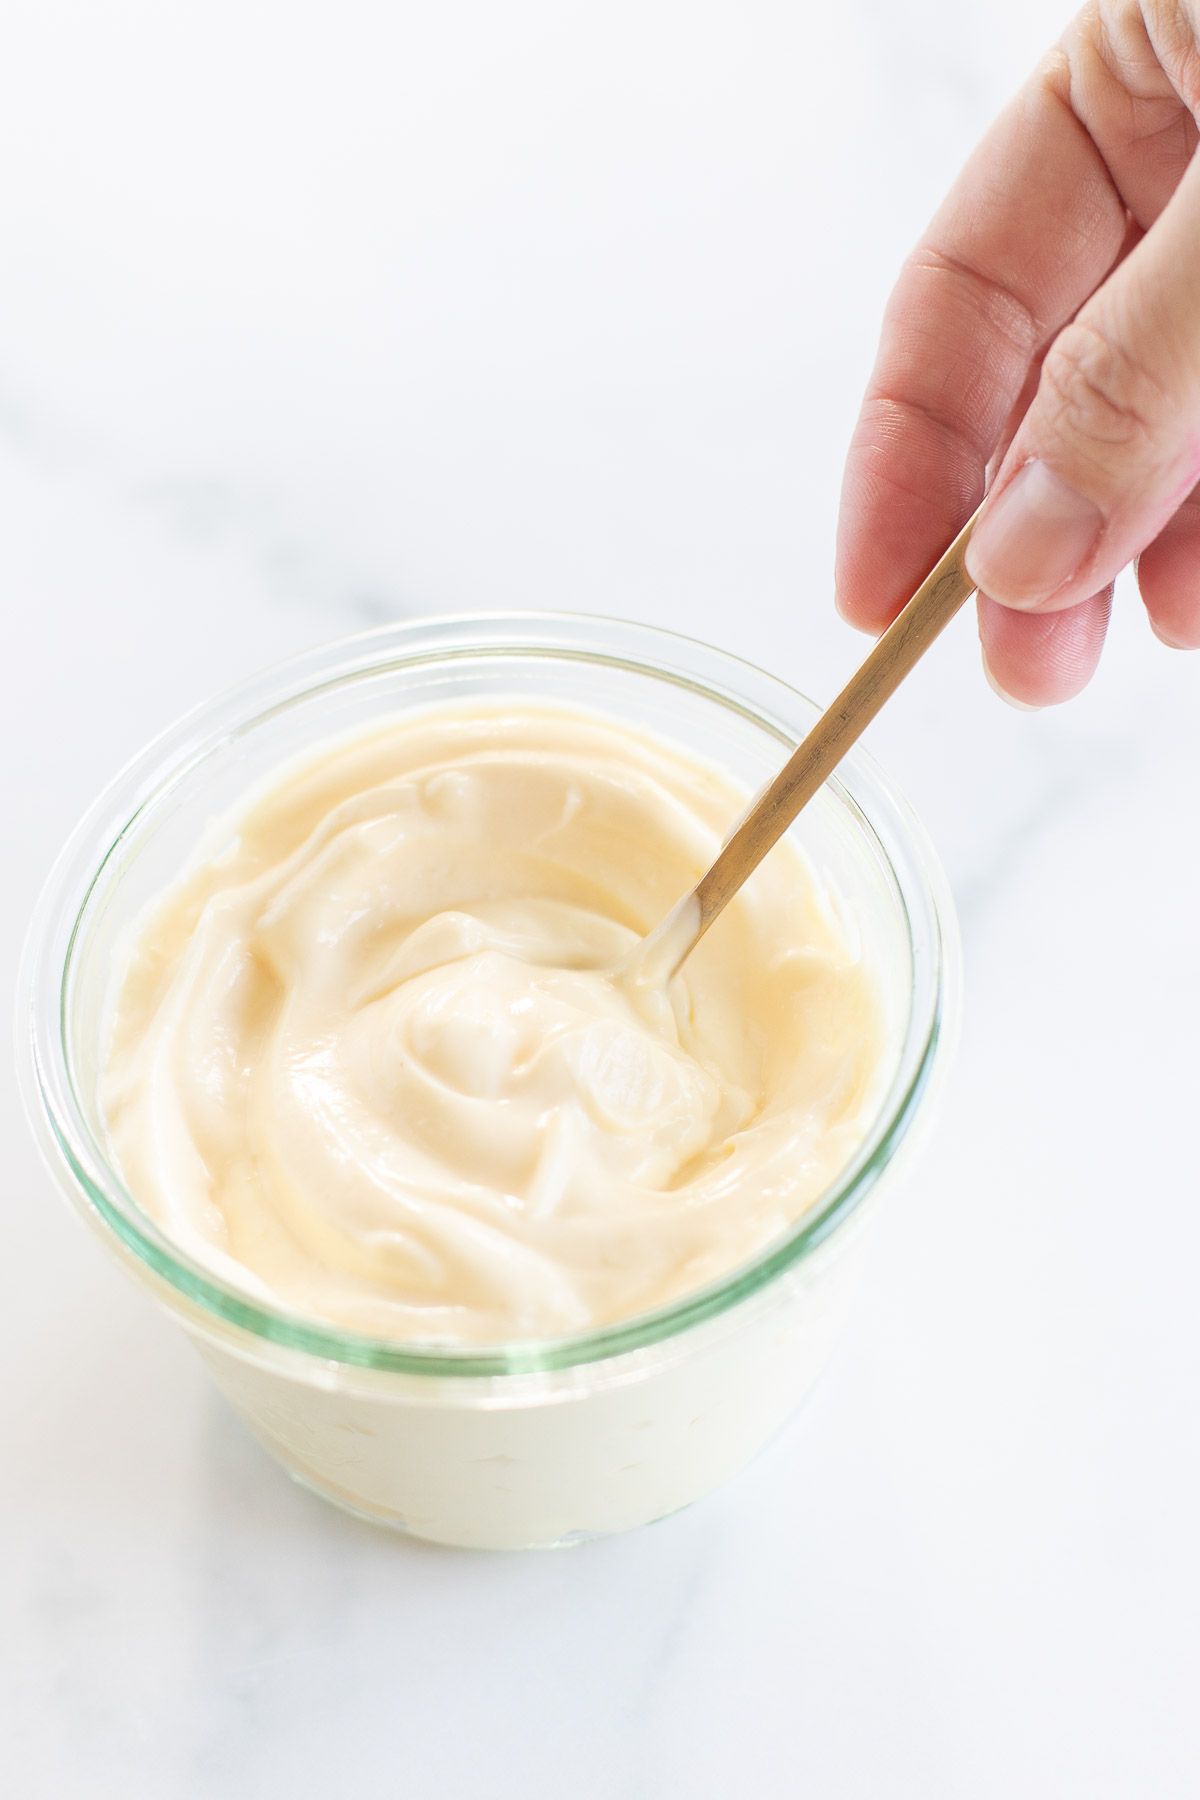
(374, 1059)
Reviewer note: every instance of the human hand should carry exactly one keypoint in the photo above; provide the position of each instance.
(1047, 329)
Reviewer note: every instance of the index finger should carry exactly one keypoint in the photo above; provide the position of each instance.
(1031, 227)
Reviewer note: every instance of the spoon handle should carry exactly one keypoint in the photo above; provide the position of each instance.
(930, 610)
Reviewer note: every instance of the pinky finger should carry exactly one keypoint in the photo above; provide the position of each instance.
(1038, 659)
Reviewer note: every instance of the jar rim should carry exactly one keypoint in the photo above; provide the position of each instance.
(74, 1150)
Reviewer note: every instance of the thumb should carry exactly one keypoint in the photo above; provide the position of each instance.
(1110, 446)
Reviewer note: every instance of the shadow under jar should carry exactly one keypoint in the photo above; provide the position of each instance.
(528, 1443)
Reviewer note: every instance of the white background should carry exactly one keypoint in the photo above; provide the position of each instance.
(312, 317)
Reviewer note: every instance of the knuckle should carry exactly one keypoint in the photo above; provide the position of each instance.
(1096, 395)
(1172, 28)
(1149, 47)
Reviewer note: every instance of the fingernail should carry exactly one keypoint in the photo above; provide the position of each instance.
(1034, 536)
(1009, 699)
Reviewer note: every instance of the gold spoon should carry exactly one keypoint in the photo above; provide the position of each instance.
(906, 639)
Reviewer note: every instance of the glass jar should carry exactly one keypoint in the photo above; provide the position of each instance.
(518, 1444)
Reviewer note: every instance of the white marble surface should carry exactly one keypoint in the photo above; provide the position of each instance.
(317, 316)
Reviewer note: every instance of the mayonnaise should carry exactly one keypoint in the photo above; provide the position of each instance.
(374, 1060)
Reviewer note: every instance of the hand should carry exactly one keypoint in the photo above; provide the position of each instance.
(1047, 328)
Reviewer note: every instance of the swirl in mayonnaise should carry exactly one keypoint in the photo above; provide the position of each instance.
(373, 1059)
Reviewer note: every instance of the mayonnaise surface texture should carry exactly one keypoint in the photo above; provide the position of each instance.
(374, 1059)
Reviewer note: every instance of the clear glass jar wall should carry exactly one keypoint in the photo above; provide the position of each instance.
(515, 1444)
